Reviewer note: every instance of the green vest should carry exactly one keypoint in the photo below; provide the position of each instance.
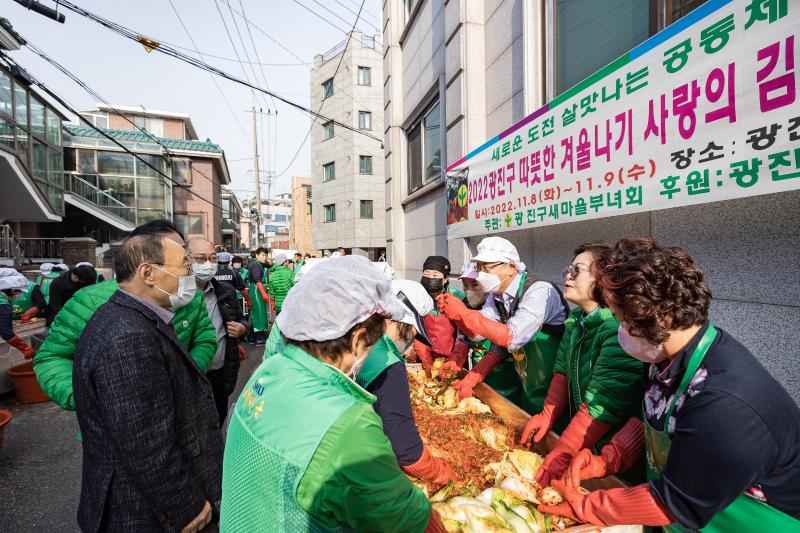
(286, 408)
(259, 313)
(23, 303)
(44, 284)
(383, 355)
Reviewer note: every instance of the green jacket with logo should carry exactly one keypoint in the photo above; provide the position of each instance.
(53, 362)
(305, 451)
(600, 373)
(281, 279)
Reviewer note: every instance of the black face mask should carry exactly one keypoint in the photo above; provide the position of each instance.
(432, 285)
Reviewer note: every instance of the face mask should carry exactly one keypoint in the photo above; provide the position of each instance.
(186, 289)
(237, 266)
(404, 343)
(489, 282)
(432, 285)
(640, 348)
(475, 298)
(204, 271)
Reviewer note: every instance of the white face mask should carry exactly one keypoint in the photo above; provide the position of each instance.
(640, 348)
(186, 289)
(404, 343)
(204, 271)
(489, 282)
(475, 297)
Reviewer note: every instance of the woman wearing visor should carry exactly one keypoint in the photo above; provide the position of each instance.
(305, 449)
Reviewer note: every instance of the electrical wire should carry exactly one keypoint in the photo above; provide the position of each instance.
(235, 51)
(354, 13)
(252, 42)
(216, 84)
(331, 12)
(10, 62)
(317, 115)
(366, 12)
(167, 50)
(319, 16)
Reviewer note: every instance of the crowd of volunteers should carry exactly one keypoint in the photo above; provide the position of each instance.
(623, 364)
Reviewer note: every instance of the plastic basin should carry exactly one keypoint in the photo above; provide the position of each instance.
(26, 385)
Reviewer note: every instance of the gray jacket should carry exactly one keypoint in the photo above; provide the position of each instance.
(152, 447)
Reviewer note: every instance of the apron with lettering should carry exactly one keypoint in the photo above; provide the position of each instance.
(745, 513)
(535, 361)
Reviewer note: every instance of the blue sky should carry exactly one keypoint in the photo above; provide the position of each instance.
(123, 73)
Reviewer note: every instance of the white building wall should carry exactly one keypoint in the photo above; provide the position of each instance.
(487, 61)
(349, 187)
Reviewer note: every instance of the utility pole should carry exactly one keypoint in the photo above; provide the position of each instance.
(258, 179)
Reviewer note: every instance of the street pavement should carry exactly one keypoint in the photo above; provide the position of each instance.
(40, 462)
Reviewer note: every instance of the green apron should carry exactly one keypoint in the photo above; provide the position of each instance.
(278, 422)
(502, 378)
(745, 513)
(383, 355)
(259, 313)
(534, 363)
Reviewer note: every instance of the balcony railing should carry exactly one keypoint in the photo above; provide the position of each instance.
(10, 247)
(101, 199)
(41, 248)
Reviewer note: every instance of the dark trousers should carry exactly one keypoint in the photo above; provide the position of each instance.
(217, 379)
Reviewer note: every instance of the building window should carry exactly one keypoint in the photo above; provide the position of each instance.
(327, 128)
(364, 76)
(364, 120)
(86, 162)
(189, 223)
(327, 88)
(410, 4)
(588, 21)
(366, 208)
(308, 208)
(21, 105)
(6, 133)
(155, 126)
(329, 171)
(182, 171)
(5, 94)
(280, 218)
(53, 128)
(365, 164)
(37, 117)
(100, 120)
(148, 165)
(330, 213)
(118, 163)
(424, 149)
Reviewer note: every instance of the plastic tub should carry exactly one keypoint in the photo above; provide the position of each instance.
(26, 385)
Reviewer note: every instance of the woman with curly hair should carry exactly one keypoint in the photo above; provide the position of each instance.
(721, 436)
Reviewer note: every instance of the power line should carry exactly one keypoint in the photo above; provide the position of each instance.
(216, 84)
(73, 110)
(319, 16)
(331, 12)
(367, 12)
(317, 114)
(167, 50)
(235, 51)
(354, 13)
(255, 48)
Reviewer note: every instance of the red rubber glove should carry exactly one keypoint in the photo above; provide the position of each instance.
(635, 505)
(435, 524)
(246, 296)
(29, 314)
(242, 353)
(262, 291)
(431, 469)
(456, 359)
(582, 432)
(22, 346)
(620, 454)
(472, 322)
(423, 354)
(555, 402)
(476, 375)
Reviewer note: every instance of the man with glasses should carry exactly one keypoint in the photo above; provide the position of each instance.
(152, 446)
(53, 360)
(522, 315)
(226, 315)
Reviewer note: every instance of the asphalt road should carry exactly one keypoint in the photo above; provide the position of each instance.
(40, 462)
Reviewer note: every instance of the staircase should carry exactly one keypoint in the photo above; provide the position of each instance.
(87, 197)
(10, 247)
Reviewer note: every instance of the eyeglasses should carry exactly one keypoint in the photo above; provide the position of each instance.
(574, 271)
(201, 259)
(488, 267)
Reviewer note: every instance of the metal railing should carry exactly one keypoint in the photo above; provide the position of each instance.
(101, 199)
(10, 246)
(41, 247)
